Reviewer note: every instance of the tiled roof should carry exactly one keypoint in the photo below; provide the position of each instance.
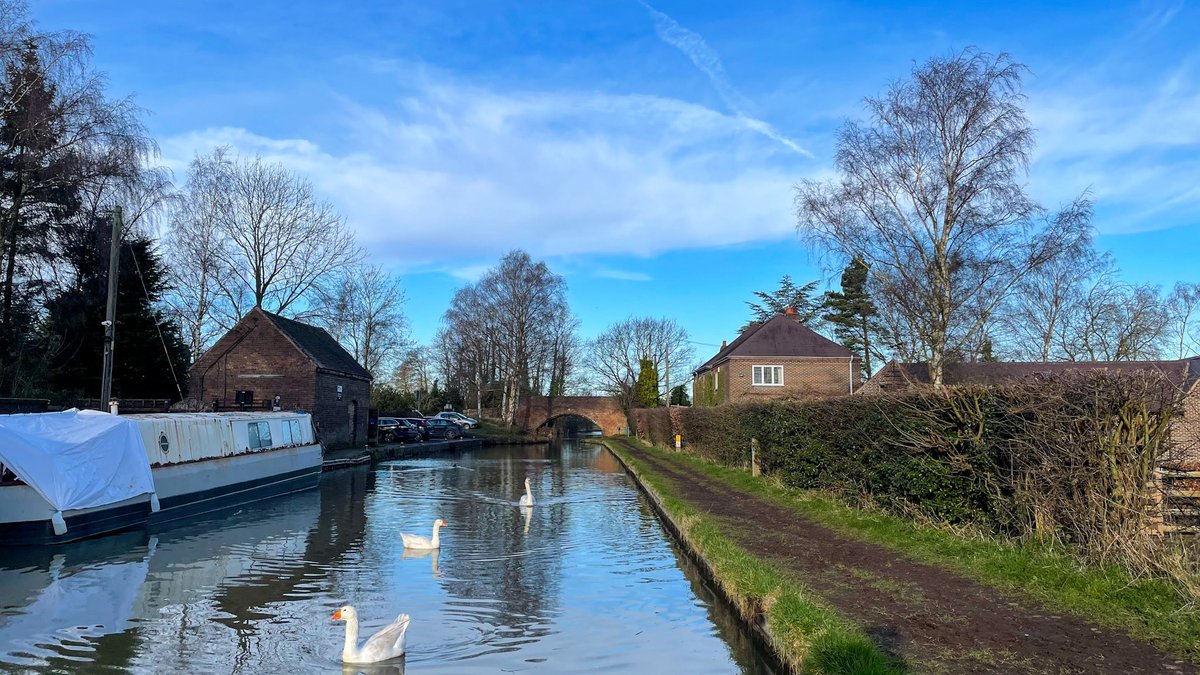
(1183, 373)
(318, 345)
(780, 336)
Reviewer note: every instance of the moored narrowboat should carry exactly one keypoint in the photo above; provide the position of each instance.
(78, 474)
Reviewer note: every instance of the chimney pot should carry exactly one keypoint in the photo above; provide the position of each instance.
(790, 311)
(722, 344)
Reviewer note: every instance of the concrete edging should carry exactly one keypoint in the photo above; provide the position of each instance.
(757, 627)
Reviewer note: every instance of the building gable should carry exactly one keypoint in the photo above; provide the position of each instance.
(779, 337)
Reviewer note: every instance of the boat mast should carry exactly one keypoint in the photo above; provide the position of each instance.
(110, 315)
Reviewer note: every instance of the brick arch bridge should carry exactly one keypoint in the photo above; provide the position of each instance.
(535, 411)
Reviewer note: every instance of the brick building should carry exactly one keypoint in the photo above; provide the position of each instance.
(776, 359)
(267, 356)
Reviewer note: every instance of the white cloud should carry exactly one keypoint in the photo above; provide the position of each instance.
(455, 173)
(622, 275)
(1135, 145)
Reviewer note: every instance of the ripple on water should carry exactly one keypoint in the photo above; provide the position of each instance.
(584, 581)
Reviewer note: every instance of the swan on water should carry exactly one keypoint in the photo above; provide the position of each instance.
(386, 644)
(527, 498)
(417, 541)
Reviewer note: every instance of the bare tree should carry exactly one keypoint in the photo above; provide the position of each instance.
(507, 334)
(1115, 321)
(616, 355)
(246, 233)
(193, 242)
(368, 317)
(277, 243)
(930, 197)
(1036, 316)
(414, 372)
(1183, 306)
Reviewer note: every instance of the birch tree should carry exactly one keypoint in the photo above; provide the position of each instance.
(930, 197)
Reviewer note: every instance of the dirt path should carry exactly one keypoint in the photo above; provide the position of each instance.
(931, 618)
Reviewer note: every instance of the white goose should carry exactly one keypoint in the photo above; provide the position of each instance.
(386, 644)
(417, 541)
(527, 498)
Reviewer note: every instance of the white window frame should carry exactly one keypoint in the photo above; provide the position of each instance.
(758, 375)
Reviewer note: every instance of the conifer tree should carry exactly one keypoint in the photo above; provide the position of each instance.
(647, 384)
(851, 312)
(799, 298)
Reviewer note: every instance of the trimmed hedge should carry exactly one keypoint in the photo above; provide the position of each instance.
(1069, 457)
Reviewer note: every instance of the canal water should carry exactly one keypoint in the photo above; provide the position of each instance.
(586, 581)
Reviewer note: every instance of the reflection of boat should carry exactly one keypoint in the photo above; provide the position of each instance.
(198, 462)
(91, 589)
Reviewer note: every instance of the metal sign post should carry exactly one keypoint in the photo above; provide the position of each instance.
(110, 314)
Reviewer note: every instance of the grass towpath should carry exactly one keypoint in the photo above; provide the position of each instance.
(853, 574)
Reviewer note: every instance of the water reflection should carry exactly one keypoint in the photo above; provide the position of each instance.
(583, 581)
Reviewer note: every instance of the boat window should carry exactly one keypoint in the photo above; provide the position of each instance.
(287, 438)
(260, 435)
(295, 427)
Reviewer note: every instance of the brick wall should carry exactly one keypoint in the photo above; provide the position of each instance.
(257, 358)
(333, 417)
(1185, 433)
(802, 378)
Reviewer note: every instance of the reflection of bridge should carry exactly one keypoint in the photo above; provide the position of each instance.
(539, 411)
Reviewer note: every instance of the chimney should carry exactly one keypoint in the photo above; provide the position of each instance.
(722, 344)
(790, 311)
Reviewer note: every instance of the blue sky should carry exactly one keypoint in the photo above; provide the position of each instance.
(646, 151)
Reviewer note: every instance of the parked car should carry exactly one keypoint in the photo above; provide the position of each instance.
(419, 424)
(437, 427)
(392, 429)
(459, 419)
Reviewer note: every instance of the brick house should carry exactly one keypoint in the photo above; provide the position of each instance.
(776, 359)
(267, 356)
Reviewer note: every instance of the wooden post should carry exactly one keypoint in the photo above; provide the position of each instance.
(755, 469)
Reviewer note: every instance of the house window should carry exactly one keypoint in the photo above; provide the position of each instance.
(259, 435)
(768, 376)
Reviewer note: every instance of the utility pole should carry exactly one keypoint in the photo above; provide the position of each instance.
(110, 315)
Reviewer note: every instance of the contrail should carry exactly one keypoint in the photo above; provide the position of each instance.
(706, 59)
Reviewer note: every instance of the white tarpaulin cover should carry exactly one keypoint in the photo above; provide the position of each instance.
(76, 459)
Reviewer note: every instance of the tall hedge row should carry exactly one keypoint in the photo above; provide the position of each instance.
(1070, 457)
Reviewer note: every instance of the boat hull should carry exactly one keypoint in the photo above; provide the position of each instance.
(184, 490)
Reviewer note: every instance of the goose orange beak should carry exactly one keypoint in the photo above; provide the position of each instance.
(337, 615)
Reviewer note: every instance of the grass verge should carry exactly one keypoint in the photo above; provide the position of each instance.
(805, 633)
(1046, 573)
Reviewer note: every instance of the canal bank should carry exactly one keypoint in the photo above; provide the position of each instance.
(800, 633)
(806, 570)
(347, 457)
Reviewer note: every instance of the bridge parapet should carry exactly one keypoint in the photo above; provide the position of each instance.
(536, 411)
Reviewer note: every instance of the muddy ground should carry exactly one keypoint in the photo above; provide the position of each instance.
(929, 618)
